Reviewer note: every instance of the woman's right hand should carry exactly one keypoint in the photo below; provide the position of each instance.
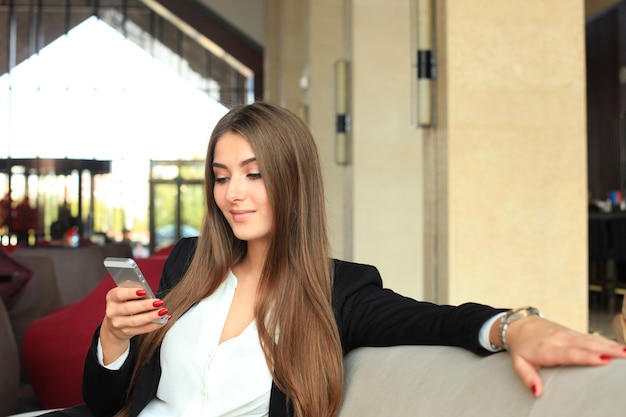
(128, 314)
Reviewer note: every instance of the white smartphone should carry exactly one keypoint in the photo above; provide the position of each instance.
(126, 273)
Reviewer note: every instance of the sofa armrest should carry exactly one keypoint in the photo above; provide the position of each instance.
(438, 381)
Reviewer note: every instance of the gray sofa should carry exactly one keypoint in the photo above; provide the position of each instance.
(9, 365)
(40, 298)
(442, 382)
(433, 381)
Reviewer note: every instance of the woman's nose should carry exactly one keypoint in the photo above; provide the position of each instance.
(236, 190)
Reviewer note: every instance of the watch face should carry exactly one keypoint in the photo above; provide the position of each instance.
(522, 312)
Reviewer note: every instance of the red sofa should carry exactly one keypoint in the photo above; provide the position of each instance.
(55, 346)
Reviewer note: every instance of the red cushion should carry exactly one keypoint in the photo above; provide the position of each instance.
(164, 251)
(55, 346)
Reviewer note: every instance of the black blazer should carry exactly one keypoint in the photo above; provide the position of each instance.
(366, 314)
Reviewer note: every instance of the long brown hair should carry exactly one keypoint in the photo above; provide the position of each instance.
(295, 289)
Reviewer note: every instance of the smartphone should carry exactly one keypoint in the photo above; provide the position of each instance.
(126, 273)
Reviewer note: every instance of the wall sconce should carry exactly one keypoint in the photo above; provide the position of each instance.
(342, 118)
(425, 72)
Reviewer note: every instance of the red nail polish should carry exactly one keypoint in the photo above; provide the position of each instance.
(163, 311)
(141, 293)
(534, 389)
(157, 303)
(605, 357)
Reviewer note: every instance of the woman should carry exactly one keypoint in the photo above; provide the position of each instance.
(260, 317)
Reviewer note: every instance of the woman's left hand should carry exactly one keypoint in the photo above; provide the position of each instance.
(535, 343)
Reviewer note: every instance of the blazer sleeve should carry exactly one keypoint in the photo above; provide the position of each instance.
(104, 390)
(369, 315)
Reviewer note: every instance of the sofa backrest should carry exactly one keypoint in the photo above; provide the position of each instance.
(440, 381)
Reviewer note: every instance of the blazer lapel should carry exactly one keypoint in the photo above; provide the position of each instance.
(278, 403)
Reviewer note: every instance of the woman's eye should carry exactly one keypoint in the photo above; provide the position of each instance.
(220, 180)
(254, 176)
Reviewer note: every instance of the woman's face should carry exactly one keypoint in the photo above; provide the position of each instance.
(239, 190)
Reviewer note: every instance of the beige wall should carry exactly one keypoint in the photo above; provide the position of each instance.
(490, 205)
(388, 179)
(329, 41)
(514, 148)
(285, 55)
(246, 15)
(307, 87)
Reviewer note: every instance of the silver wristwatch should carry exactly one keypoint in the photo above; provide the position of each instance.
(510, 317)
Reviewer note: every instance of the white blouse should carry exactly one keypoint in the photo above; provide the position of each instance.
(202, 377)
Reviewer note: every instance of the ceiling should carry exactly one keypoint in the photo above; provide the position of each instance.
(247, 16)
(214, 48)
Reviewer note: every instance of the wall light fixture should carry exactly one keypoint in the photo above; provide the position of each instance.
(425, 60)
(342, 117)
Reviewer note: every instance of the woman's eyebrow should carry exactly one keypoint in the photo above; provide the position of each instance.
(247, 161)
(241, 164)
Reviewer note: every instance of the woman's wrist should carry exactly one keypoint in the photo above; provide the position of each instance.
(499, 329)
(112, 346)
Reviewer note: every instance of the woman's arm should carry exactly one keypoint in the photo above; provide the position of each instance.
(104, 390)
(368, 315)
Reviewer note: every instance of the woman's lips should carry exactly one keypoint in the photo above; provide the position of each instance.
(241, 215)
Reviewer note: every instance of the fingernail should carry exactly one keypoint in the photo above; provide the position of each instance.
(534, 390)
(157, 303)
(605, 357)
(163, 311)
(625, 349)
(169, 317)
(141, 293)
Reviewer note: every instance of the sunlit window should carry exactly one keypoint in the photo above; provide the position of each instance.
(93, 94)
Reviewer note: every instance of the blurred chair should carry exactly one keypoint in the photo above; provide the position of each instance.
(599, 255)
(40, 298)
(55, 346)
(116, 249)
(78, 270)
(164, 251)
(9, 365)
(616, 284)
(619, 324)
